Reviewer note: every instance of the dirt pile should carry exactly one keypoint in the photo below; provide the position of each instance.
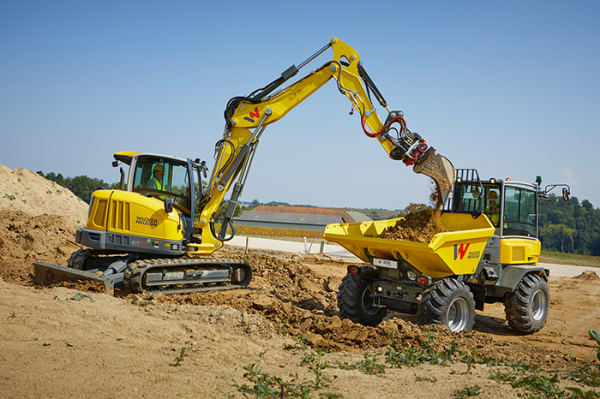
(25, 238)
(588, 275)
(417, 226)
(23, 190)
(299, 301)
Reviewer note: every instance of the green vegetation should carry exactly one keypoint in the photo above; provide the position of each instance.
(467, 392)
(570, 259)
(221, 212)
(81, 186)
(181, 356)
(570, 227)
(529, 381)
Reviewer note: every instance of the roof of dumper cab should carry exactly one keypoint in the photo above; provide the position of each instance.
(513, 183)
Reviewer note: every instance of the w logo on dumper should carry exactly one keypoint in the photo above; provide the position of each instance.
(460, 251)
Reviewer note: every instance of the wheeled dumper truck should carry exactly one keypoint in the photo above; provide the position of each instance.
(474, 262)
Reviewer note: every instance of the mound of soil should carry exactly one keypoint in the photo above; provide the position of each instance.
(299, 301)
(417, 226)
(588, 275)
(25, 239)
(23, 190)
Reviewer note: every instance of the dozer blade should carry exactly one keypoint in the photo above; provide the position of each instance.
(440, 169)
(49, 273)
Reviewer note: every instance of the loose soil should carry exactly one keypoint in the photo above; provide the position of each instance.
(416, 226)
(53, 345)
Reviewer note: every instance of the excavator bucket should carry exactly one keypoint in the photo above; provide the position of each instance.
(440, 169)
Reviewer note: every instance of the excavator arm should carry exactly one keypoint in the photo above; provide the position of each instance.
(247, 117)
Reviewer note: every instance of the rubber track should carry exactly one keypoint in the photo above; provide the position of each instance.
(78, 257)
(134, 274)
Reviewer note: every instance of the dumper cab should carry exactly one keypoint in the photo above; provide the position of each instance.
(512, 208)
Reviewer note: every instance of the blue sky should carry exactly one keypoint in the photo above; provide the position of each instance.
(511, 88)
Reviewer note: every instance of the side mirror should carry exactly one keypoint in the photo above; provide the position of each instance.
(169, 205)
(566, 191)
(566, 194)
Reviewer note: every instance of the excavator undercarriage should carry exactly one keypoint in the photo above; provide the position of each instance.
(138, 274)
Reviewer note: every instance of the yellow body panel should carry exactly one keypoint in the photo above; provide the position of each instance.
(125, 212)
(452, 253)
(519, 250)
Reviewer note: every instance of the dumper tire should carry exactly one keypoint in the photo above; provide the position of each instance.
(449, 302)
(354, 301)
(527, 307)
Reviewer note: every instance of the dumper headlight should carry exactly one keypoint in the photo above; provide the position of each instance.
(379, 289)
(412, 276)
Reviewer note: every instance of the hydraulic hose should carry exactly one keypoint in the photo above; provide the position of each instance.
(385, 127)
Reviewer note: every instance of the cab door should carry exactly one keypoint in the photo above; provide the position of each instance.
(519, 243)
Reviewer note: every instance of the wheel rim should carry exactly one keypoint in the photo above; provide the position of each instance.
(367, 301)
(538, 305)
(458, 314)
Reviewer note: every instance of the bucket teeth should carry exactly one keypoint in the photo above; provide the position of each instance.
(440, 169)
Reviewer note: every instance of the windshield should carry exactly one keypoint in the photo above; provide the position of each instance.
(163, 178)
(519, 212)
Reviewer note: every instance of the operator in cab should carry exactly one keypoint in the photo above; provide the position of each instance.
(155, 183)
(493, 208)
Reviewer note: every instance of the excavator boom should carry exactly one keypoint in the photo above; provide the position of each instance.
(247, 117)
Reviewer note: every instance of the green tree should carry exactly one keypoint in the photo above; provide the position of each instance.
(220, 216)
(81, 186)
(557, 237)
(253, 204)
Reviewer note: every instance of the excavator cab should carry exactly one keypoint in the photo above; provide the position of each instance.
(161, 177)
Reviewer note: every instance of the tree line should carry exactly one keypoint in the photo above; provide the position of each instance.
(81, 186)
(571, 226)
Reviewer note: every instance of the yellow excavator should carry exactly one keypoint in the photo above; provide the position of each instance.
(146, 234)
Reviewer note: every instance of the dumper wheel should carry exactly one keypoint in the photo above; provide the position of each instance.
(528, 305)
(355, 303)
(448, 302)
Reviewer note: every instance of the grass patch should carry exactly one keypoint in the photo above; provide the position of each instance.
(569, 259)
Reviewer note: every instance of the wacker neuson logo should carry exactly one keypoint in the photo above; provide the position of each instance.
(460, 251)
(146, 221)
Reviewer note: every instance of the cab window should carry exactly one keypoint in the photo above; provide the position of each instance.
(519, 212)
(173, 182)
